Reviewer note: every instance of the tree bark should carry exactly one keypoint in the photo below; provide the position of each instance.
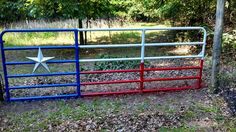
(81, 35)
(109, 25)
(217, 45)
(85, 33)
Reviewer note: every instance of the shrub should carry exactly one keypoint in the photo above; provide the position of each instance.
(115, 65)
(229, 42)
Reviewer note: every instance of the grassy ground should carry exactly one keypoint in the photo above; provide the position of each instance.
(179, 111)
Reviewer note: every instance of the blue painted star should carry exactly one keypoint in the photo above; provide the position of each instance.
(40, 59)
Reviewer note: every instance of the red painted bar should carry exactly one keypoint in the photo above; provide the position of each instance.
(200, 74)
(169, 79)
(141, 86)
(142, 80)
(172, 68)
(109, 71)
(136, 91)
(109, 82)
(138, 70)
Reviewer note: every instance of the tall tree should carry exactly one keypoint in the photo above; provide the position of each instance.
(13, 10)
(217, 45)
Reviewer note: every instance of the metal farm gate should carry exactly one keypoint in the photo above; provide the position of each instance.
(142, 58)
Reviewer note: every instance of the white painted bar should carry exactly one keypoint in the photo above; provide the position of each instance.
(110, 46)
(109, 59)
(143, 44)
(172, 57)
(174, 44)
(139, 58)
(140, 29)
(204, 40)
(139, 45)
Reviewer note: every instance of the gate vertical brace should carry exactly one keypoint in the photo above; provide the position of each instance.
(77, 63)
(200, 74)
(4, 68)
(199, 85)
(142, 61)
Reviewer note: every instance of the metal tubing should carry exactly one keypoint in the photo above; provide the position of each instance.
(100, 72)
(4, 68)
(110, 82)
(37, 75)
(143, 47)
(36, 30)
(170, 79)
(172, 57)
(110, 46)
(139, 29)
(67, 96)
(43, 86)
(31, 62)
(110, 59)
(139, 45)
(142, 58)
(141, 86)
(204, 40)
(77, 63)
(172, 68)
(91, 94)
(174, 44)
(37, 47)
(200, 74)
(109, 71)
(136, 58)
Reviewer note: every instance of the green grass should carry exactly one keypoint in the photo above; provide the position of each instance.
(196, 110)
(57, 112)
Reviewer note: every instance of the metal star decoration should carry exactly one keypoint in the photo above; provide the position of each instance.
(40, 59)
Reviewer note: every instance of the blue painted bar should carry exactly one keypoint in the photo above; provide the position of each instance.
(37, 30)
(6, 76)
(77, 63)
(66, 96)
(42, 86)
(31, 62)
(4, 68)
(37, 47)
(37, 75)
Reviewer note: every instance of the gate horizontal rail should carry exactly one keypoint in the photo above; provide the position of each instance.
(77, 62)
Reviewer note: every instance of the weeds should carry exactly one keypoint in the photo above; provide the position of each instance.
(115, 65)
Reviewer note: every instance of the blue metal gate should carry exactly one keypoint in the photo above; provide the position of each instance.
(8, 87)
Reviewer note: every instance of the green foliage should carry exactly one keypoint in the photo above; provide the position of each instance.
(12, 10)
(229, 41)
(190, 12)
(114, 65)
(184, 13)
(53, 9)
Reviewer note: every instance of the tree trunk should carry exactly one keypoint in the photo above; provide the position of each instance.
(81, 35)
(85, 33)
(217, 45)
(109, 26)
